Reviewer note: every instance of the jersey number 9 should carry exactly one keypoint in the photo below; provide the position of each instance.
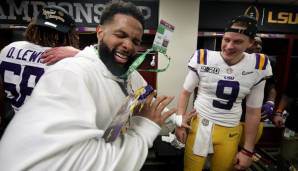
(228, 91)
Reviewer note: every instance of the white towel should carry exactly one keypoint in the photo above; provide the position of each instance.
(203, 142)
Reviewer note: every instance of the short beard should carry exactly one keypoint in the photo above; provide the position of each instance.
(107, 57)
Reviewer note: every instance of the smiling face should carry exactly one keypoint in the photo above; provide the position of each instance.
(122, 35)
(233, 45)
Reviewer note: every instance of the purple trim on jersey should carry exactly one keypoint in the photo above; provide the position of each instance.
(198, 57)
(265, 64)
(258, 60)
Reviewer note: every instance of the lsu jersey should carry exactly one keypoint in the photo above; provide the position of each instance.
(21, 68)
(222, 87)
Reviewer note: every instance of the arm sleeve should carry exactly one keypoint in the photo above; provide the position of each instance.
(255, 98)
(59, 132)
(191, 81)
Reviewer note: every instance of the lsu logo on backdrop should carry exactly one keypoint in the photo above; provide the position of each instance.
(282, 17)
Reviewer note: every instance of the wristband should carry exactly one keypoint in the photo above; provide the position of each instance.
(247, 152)
(270, 101)
(178, 120)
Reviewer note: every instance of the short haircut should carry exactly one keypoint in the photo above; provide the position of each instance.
(120, 7)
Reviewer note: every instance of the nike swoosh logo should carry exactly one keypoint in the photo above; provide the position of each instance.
(232, 135)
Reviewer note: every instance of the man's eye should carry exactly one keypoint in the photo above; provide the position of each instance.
(238, 42)
(120, 35)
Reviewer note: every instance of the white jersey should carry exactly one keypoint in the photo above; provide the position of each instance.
(21, 69)
(222, 87)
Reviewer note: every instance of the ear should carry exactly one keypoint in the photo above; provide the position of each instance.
(99, 32)
(251, 42)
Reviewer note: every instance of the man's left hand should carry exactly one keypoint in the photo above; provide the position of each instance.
(186, 118)
(242, 161)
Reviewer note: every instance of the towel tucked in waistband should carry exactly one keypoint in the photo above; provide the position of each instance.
(203, 142)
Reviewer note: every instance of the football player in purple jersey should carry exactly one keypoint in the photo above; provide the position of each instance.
(21, 65)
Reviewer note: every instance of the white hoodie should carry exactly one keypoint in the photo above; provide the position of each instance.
(61, 126)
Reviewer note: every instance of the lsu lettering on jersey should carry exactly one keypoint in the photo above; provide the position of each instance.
(222, 87)
(21, 68)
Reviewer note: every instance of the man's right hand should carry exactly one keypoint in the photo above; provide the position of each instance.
(154, 110)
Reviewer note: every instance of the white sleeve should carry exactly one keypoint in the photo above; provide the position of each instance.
(56, 130)
(191, 81)
(193, 61)
(255, 98)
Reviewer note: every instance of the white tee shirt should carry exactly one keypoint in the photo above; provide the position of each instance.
(21, 69)
(221, 88)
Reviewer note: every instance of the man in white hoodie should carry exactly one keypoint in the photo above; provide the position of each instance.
(61, 127)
